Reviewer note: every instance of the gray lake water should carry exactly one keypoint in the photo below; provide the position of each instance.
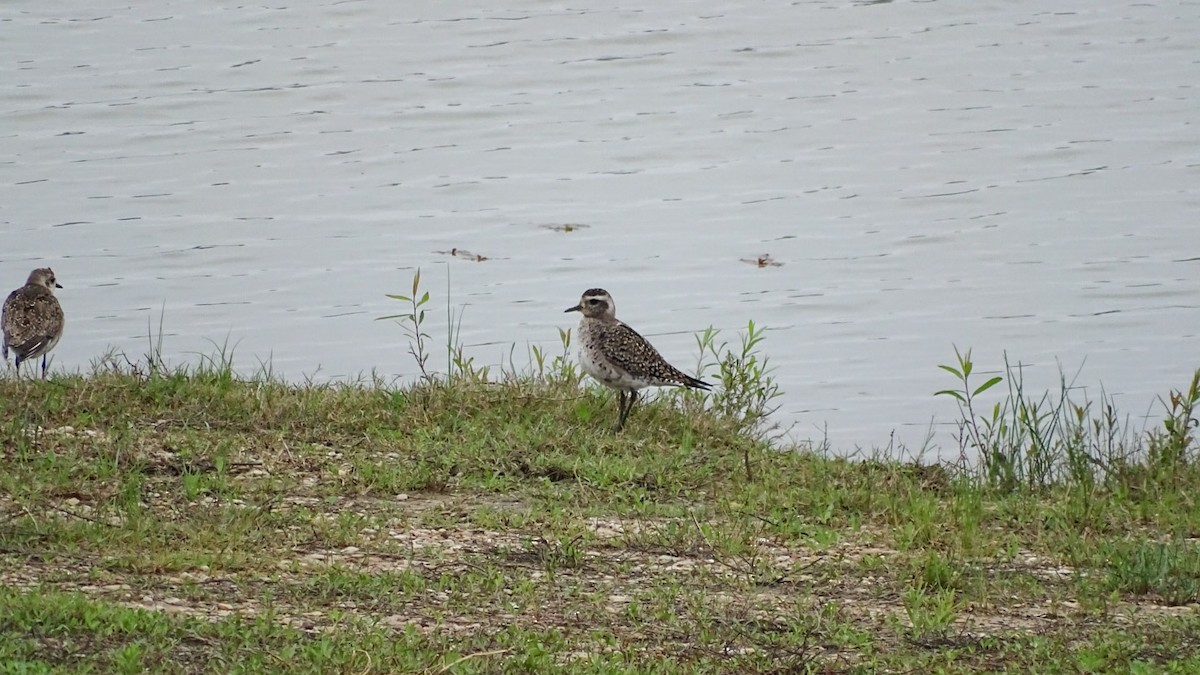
(1011, 176)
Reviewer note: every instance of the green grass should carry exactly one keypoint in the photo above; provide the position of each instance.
(191, 520)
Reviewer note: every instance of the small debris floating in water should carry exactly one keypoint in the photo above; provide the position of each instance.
(464, 254)
(764, 260)
(565, 227)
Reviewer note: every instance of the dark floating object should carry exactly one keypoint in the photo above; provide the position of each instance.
(764, 260)
(464, 254)
(565, 227)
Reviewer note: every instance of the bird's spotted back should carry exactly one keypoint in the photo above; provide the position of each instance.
(623, 348)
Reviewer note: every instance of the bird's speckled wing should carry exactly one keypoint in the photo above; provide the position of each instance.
(635, 355)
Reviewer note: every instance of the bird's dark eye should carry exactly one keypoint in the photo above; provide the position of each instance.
(593, 301)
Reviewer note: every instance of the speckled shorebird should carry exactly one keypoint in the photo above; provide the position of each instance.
(616, 356)
(32, 319)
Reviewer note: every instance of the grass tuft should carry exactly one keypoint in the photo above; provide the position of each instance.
(1035, 441)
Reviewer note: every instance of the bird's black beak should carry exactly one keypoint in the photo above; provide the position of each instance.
(57, 285)
(576, 308)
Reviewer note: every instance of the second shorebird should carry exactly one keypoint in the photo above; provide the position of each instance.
(32, 319)
(616, 356)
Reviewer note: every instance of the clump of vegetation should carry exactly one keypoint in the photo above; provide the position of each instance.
(1035, 441)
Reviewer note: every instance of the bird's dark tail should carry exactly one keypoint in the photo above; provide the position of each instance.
(692, 382)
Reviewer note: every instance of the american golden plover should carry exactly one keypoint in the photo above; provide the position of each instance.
(616, 356)
(32, 319)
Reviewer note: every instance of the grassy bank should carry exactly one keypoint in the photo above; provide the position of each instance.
(190, 520)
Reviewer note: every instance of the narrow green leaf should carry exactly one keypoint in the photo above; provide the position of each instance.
(951, 392)
(952, 370)
(988, 385)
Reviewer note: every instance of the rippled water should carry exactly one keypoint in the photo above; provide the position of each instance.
(1016, 176)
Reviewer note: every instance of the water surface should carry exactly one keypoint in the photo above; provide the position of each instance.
(996, 175)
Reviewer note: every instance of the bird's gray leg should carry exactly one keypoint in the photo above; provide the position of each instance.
(620, 410)
(625, 412)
